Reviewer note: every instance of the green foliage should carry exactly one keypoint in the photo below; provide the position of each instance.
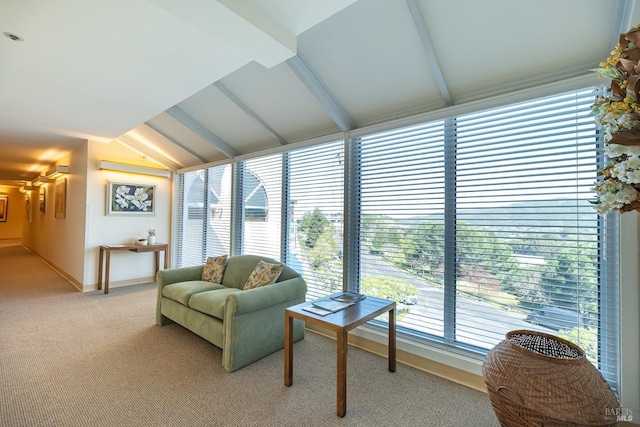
(312, 226)
(389, 287)
(564, 278)
(586, 338)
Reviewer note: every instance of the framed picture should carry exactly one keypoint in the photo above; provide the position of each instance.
(126, 198)
(60, 192)
(4, 208)
(43, 200)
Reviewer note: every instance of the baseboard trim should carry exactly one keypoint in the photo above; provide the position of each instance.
(55, 268)
(451, 373)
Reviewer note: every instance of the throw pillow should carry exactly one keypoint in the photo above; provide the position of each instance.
(264, 274)
(214, 269)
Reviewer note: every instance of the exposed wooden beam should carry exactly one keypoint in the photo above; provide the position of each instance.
(192, 124)
(427, 45)
(249, 112)
(319, 90)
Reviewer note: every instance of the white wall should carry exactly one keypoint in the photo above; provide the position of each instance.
(59, 241)
(71, 245)
(629, 315)
(101, 229)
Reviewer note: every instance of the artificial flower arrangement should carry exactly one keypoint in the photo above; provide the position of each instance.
(618, 113)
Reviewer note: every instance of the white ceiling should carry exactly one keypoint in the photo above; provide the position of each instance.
(205, 80)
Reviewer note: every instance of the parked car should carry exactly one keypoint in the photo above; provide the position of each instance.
(555, 318)
(409, 300)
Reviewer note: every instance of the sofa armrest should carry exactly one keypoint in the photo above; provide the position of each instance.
(173, 275)
(254, 321)
(266, 296)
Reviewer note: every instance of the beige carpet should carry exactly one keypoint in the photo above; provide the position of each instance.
(89, 359)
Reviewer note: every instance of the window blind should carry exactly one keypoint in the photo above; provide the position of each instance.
(315, 186)
(203, 215)
(261, 206)
(476, 224)
(481, 224)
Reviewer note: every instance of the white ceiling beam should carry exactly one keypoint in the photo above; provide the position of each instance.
(239, 25)
(193, 125)
(222, 88)
(321, 92)
(173, 141)
(427, 45)
(148, 152)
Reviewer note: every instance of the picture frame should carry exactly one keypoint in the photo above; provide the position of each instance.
(60, 193)
(4, 208)
(127, 198)
(42, 200)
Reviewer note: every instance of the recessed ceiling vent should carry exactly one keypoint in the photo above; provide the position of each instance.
(14, 37)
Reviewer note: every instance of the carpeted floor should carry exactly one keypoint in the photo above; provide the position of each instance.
(88, 359)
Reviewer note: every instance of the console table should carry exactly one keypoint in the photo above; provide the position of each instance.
(106, 250)
(340, 322)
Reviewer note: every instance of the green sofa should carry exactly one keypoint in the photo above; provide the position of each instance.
(246, 324)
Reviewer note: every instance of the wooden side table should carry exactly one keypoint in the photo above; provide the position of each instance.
(341, 323)
(105, 250)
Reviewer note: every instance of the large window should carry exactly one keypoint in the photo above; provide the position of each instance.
(475, 224)
(203, 215)
(481, 224)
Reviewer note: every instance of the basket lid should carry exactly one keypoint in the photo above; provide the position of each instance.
(544, 345)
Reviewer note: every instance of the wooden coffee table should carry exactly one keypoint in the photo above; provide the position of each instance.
(341, 323)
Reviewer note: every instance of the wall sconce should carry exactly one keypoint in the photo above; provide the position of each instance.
(57, 171)
(122, 167)
(42, 180)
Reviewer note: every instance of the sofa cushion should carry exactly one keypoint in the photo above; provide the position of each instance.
(211, 302)
(264, 274)
(214, 269)
(182, 291)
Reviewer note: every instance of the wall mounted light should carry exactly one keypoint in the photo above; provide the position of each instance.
(57, 171)
(123, 167)
(42, 180)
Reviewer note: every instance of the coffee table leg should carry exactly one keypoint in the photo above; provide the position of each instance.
(288, 349)
(392, 340)
(341, 375)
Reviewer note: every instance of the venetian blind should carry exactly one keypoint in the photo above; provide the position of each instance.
(481, 224)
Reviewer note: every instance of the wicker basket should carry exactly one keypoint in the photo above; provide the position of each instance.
(535, 379)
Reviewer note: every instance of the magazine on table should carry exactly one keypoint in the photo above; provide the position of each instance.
(316, 310)
(331, 306)
(348, 297)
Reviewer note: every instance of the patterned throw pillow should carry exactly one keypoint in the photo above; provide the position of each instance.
(214, 269)
(264, 274)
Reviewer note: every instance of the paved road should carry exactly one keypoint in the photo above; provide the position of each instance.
(477, 323)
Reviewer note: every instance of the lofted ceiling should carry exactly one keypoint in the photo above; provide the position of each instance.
(196, 81)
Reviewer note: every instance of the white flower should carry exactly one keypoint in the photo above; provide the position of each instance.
(617, 150)
(613, 194)
(628, 170)
(139, 199)
(121, 194)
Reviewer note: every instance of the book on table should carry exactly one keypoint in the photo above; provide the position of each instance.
(316, 310)
(331, 305)
(348, 297)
